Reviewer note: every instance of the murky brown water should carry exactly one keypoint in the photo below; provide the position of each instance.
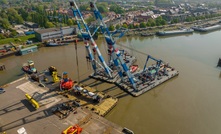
(187, 104)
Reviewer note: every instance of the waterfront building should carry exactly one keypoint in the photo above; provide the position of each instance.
(50, 33)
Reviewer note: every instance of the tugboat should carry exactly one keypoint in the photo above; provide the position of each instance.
(29, 67)
(66, 83)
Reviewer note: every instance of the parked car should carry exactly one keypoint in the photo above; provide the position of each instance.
(2, 90)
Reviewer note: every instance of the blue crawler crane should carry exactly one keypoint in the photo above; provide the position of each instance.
(87, 38)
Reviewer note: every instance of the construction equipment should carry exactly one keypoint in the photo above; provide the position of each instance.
(112, 49)
(87, 38)
(34, 103)
(76, 129)
(136, 83)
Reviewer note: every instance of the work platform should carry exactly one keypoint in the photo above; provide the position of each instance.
(101, 108)
(102, 76)
(144, 86)
(17, 112)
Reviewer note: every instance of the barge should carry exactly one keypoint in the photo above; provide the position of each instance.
(101, 75)
(206, 28)
(147, 80)
(175, 32)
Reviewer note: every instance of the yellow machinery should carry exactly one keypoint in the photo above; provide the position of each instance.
(32, 101)
(55, 76)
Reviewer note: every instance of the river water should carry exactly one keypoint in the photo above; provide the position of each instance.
(187, 104)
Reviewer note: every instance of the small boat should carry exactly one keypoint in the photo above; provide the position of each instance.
(133, 68)
(29, 67)
(66, 83)
(127, 131)
(53, 43)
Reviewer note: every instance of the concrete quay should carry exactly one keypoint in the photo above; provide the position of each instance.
(17, 112)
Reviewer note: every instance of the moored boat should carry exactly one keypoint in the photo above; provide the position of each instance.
(53, 43)
(206, 28)
(175, 32)
(29, 67)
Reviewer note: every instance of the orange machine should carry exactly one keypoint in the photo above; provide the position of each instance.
(72, 130)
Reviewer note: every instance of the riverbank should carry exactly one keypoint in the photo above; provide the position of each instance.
(153, 30)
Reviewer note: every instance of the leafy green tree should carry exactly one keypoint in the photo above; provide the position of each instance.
(84, 7)
(117, 9)
(28, 18)
(131, 26)
(90, 19)
(102, 7)
(142, 25)
(152, 22)
(148, 24)
(2, 36)
(111, 28)
(124, 26)
(19, 19)
(70, 22)
(4, 23)
(117, 26)
(175, 21)
(4, 1)
(13, 33)
(23, 13)
(49, 24)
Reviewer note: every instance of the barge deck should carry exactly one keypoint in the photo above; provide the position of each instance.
(146, 85)
(129, 60)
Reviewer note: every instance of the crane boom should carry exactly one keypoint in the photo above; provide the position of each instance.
(114, 52)
(88, 37)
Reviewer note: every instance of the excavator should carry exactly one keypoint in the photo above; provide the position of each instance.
(76, 129)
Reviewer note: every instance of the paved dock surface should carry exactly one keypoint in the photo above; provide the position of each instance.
(17, 112)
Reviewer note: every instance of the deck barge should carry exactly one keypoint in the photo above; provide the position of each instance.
(144, 86)
(207, 28)
(175, 32)
(129, 60)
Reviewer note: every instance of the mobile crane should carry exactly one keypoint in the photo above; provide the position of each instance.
(87, 38)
